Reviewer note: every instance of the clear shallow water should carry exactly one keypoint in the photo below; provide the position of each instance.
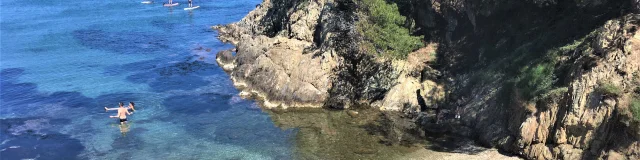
(62, 61)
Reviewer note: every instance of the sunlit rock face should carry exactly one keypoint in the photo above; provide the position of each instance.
(274, 60)
(305, 54)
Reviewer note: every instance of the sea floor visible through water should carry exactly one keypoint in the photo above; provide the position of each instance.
(62, 62)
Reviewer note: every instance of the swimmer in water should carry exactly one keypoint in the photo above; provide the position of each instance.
(122, 112)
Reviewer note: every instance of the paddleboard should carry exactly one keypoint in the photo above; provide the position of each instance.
(146, 2)
(192, 8)
(170, 5)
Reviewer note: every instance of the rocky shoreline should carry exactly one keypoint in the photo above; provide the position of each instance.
(301, 66)
(306, 54)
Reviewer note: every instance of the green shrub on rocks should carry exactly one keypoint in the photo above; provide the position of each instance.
(536, 80)
(635, 108)
(609, 89)
(384, 31)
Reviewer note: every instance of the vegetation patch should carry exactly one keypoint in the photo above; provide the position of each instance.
(555, 92)
(536, 80)
(609, 89)
(384, 31)
(635, 108)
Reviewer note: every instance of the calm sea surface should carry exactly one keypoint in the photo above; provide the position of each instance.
(63, 61)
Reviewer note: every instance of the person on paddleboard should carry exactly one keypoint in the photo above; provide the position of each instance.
(190, 5)
(168, 4)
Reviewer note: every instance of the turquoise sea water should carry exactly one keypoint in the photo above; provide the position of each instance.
(63, 61)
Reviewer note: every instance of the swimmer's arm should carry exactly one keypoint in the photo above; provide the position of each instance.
(128, 112)
(110, 109)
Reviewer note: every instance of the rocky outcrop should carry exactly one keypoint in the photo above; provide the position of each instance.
(275, 61)
(413, 93)
(573, 122)
(305, 54)
(276, 71)
(591, 120)
(486, 44)
(300, 53)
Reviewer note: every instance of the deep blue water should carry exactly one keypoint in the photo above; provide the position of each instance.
(63, 61)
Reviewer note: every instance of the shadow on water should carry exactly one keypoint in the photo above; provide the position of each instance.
(25, 138)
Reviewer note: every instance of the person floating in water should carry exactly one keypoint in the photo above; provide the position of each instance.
(122, 112)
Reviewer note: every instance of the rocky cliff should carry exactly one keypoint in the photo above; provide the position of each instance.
(543, 79)
(579, 119)
(305, 54)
